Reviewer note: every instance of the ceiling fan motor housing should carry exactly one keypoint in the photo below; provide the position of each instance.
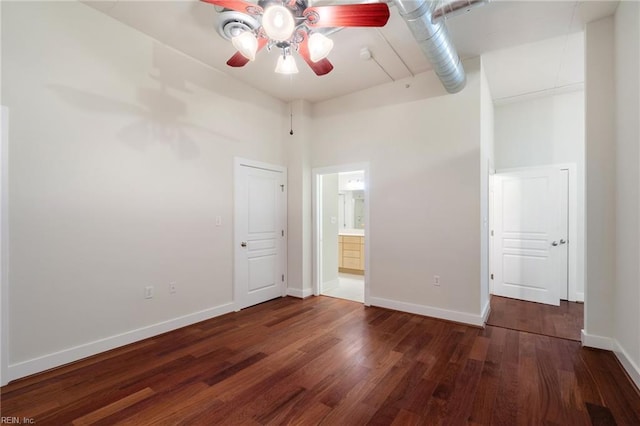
(296, 8)
(231, 23)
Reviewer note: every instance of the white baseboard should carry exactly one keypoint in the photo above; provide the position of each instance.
(485, 313)
(598, 342)
(580, 297)
(430, 311)
(65, 356)
(299, 293)
(632, 369)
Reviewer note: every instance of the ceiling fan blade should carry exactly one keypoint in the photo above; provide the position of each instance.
(348, 15)
(239, 60)
(322, 67)
(239, 5)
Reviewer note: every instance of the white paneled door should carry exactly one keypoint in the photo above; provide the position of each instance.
(531, 235)
(260, 218)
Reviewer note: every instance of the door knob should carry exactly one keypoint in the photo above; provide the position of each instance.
(562, 241)
(243, 244)
(555, 243)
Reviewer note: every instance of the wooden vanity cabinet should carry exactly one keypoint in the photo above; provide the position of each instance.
(351, 254)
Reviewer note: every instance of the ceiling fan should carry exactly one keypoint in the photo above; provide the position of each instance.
(291, 25)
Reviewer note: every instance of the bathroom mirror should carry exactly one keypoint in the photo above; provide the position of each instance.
(351, 209)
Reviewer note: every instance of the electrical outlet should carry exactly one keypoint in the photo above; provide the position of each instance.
(172, 287)
(148, 292)
(436, 280)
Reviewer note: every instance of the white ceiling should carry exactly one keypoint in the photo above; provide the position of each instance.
(534, 46)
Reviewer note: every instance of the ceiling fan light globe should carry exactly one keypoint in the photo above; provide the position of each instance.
(286, 65)
(278, 23)
(319, 46)
(247, 44)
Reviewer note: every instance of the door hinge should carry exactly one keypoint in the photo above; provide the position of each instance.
(283, 232)
(491, 276)
(492, 232)
(282, 277)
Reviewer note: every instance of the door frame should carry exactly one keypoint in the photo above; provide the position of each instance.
(4, 246)
(491, 243)
(576, 240)
(316, 208)
(237, 240)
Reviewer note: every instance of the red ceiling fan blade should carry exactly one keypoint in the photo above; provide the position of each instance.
(239, 60)
(348, 15)
(239, 5)
(322, 67)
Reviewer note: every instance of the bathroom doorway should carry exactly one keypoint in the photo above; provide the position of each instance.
(341, 232)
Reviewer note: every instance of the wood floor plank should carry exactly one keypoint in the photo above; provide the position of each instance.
(407, 418)
(572, 401)
(600, 416)
(485, 396)
(115, 407)
(158, 408)
(505, 411)
(316, 411)
(606, 370)
(329, 361)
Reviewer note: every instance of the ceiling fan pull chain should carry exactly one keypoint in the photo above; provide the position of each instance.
(291, 105)
(291, 125)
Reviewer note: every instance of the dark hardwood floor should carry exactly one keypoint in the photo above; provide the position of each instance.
(564, 321)
(335, 362)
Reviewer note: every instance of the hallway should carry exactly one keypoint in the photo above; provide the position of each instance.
(564, 321)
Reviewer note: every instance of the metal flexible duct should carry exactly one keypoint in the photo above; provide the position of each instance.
(434, 40)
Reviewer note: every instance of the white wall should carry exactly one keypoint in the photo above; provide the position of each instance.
(626, 321)
(600, 187)
(487, 129)
(544, 131)
(299, 262)
(121, 157)
(423, 147)
(540, 131)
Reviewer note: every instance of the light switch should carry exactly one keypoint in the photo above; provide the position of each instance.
(218, 220)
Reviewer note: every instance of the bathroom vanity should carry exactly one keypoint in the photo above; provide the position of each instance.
(351, 253)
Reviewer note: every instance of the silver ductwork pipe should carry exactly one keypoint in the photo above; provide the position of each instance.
(434, 40)
(450, 8)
